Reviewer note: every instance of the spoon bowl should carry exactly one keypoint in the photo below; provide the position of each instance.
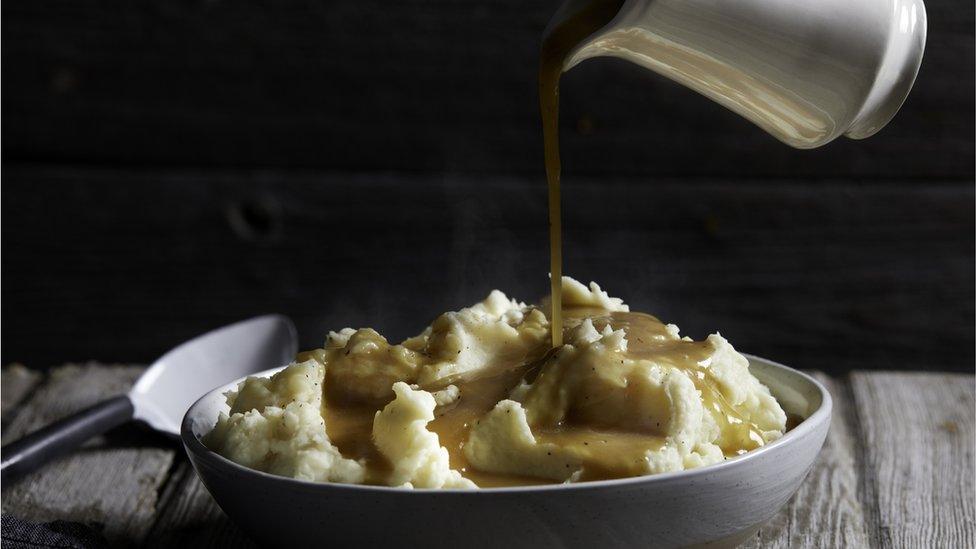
(168, 388)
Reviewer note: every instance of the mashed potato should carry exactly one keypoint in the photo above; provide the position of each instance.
(276, 425)
(479, 399)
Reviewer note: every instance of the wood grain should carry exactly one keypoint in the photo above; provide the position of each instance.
(828, 509)
(918, 438)
(446, 86)
(16, 382)
(110, 483)
(806, 273)
(189, 517)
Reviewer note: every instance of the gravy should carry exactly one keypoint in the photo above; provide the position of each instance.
(606, 453)
(350, 426)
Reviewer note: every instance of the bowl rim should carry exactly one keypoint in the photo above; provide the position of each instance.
(193, 445)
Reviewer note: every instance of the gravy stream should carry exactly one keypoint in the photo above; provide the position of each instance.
(574, 21)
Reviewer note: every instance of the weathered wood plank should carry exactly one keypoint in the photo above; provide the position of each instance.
(189, 517)
(828, 509)
(918, 435)
(111, 482)
(412, 85)
(779, 267)
(16, 382)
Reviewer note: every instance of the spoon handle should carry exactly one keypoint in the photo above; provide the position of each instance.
(23, 456)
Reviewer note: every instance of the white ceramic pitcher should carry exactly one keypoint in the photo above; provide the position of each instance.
(806, 71)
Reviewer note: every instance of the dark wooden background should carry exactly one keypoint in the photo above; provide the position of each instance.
(173, 166)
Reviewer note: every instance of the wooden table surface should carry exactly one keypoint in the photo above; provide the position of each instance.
(896, 469)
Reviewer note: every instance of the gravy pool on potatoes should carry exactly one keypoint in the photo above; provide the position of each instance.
(481, 399)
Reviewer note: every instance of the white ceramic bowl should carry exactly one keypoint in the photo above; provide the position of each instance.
(719, 504)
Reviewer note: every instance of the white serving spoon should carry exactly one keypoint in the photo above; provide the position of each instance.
(165, 391)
